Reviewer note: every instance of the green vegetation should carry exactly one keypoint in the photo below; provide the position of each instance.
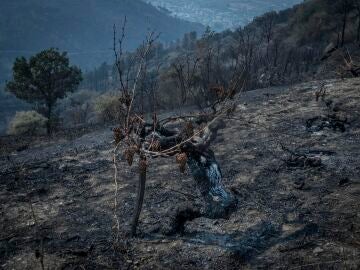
(82, 27)
(44, 79)
(108, 107)
(28, 122)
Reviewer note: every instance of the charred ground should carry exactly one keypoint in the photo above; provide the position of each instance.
(294, 172)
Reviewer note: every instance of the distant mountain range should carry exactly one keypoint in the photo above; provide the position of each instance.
(81, 27)
(224, 14)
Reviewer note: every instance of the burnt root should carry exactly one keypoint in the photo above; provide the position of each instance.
(332, 122)
(183, 214)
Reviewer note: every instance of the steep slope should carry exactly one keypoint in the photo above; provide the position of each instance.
(297, 185)
(282, 47)
(319, 22)
(82, 27)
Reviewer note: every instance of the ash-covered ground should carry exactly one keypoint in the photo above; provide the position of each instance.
(291, 161)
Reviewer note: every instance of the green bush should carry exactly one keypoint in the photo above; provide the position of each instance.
(27, 122)
(108, 107)
(77, 108)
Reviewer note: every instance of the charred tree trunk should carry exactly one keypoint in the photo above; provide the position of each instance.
(357, 5)
(204, 169)
(343, 30)
(49, 119)
(208, 177)
(346, 7)
(140, 196)
(358, 30)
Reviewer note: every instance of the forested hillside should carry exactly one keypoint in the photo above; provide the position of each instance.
(317, 39)
(313, 40)
(84, 28)
(81, 27)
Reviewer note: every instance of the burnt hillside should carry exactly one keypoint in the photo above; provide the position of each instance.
(316, 39)
(291, 161)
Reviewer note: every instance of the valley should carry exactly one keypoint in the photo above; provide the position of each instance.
(221, 15)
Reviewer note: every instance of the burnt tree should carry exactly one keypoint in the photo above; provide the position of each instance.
(187, 138)
(344, 7)
(356, 4)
